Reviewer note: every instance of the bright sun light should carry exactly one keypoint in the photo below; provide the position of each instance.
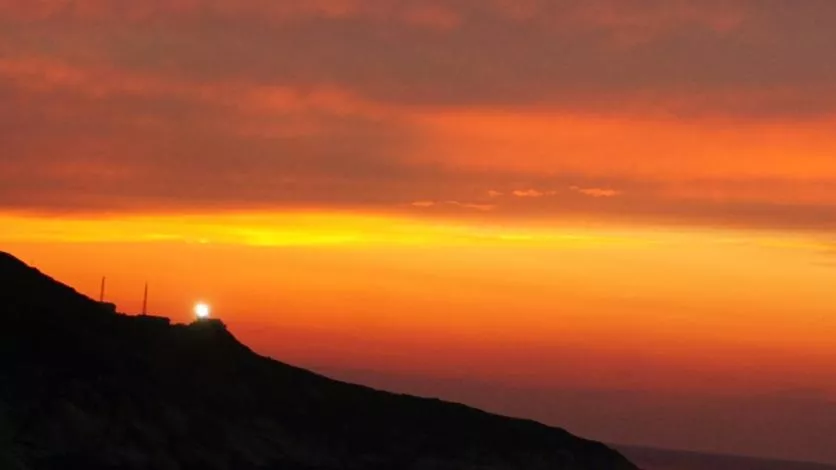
(202, 310)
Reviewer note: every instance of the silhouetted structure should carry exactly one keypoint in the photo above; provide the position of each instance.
(145, 300)
(107, 306)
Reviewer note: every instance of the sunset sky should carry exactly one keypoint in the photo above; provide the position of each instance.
(614, 216)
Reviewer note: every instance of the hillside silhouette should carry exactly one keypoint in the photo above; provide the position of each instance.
(84, 388)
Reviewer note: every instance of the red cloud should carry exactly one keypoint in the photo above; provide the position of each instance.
(43, 74)
(433, 16)
(214, 102)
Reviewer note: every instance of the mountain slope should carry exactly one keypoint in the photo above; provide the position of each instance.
(85, 388)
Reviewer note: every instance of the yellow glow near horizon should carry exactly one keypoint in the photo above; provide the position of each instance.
(278, 229)
(298, 229)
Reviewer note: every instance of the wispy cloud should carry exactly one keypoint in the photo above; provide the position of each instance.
(532, 193)
(596, 192)
(464, 205)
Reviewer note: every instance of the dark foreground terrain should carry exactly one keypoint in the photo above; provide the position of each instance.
(655, 459)
(84, 388)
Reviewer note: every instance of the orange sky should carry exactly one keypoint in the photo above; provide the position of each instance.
(520, 204)
(703, 313)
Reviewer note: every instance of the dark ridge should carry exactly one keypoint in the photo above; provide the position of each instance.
(85, 388)
(27, 287)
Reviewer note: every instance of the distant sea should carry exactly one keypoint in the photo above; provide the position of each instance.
(654, 459)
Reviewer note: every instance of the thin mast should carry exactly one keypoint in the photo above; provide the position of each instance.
(145, 300)
(102, 289)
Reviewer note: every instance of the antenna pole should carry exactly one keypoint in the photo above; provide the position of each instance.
(145, 300)
(102, 290)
